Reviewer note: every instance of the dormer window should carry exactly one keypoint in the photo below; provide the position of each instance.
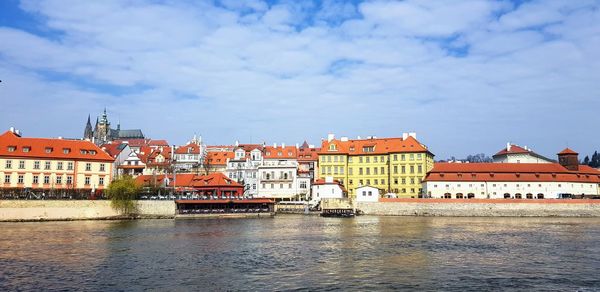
(83, 151)
(368, 149)
(352, 148)
(290, 153)
(12, 148)
(279, 153)
(48, 149)
(66, 150)
(332, 147)
(93, 152)
(26, 149)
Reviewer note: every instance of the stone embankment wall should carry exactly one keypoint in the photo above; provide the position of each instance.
(41, 210)
(482, 208)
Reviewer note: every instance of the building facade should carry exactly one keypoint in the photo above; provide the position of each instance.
(243, 168)
(278, 175)
(41, 164)
(191, 156)
(396, 165)
(513, 180)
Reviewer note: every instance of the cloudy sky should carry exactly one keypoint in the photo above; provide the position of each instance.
(467, 76)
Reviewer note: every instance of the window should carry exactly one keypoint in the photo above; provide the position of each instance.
(59, 180)
(395, 157)
(47, 165)
(66, 150)
(368, 171)
(341, 158)
(335, 170)
(87, 180)
(368, 181)
(101, 181)
(36, 165)
(396, 181)
(26, 149)
(350, 159)
(370, 193)
(412, 169)
(403, 169)
(12, 148)
(374, 170)
(48, 149)
(46, 179)
(20, 179)
(402, 157)
(412, 156)
(281, 186)
(254, 186)
(360, 170)
(350, 170)
(367, 149)
(367, 159)
(375, 159)
(8, 164)
(36, 179)
(69, 180)
(341, 170)
(102, 167)
(88, 166)
(419, 156)
(22, 164)
(419, 169)
(382, 170)
(70, 166)
(335, 159)
(59, 165)
(395, 169)
(360, 159)
(7, 178)
(383, 181)
(303, 185)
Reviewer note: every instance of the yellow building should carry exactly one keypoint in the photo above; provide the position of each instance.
(396, 165)
(41, 164)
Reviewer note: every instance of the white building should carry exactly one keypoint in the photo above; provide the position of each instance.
(513, 180)
(517, 154)
(327, 188)
(190, 156)
(120, 152)
(243, 168)
(278, 175)
(367, 194)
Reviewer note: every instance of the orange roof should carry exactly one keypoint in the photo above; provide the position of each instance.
(542, 172)
(188, 149)
(322, 181)
(191, 180)
(287, 152)
(12, 145)
(218, 158)
(113, 149)
(373, 146)
(308, 154)
(567, 151)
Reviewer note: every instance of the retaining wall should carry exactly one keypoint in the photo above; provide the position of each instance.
(482, 208)
(41, 210)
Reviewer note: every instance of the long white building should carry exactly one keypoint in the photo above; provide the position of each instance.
(513, 180)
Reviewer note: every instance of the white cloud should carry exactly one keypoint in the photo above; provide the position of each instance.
(454, 71)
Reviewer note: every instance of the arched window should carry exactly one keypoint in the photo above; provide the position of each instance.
(518, 196)
(529, 196)
(507, 196)
(540, 196)
(447, 196)
(459, 196)
(285, 176)
(470, 196)
(332, 147)
(268, 176)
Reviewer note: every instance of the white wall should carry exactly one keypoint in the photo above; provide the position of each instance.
(367, 194)
(496, 190)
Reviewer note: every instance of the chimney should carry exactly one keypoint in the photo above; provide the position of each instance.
(330, 137)
(404, 136)
(508, 146)
(282, 145)
(413, 134)
(297, 145)
(274, 145)
(12, 129)
(18, 132)
(237, 143)
(344, 139)
(358, 137)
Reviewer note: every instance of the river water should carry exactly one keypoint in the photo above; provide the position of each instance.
(303, 253)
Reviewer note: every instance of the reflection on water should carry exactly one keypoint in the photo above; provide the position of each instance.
(303, 252)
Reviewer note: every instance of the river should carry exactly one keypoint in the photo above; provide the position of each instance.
(292, 252)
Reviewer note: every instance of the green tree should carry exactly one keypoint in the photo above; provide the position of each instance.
(122, 193)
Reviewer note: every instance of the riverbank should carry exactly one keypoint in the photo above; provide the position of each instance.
(482, 208)
(63, 210)
(51, 210)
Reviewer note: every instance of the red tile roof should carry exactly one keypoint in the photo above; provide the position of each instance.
(308, 154)
(191, 180)
(50, 148)
(287, 152)
(514, 149)
(188, 149)
(542, 172)
(378, 146)
(218, 158)
(113, 149)
(322, 181)
(567, 151)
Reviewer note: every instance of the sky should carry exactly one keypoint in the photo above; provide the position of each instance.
(466, 76)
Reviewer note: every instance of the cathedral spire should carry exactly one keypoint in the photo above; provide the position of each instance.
(87, 133)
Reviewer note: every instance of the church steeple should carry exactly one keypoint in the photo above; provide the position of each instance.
(88, 133)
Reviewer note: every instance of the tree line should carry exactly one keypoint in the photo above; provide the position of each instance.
(592, 162)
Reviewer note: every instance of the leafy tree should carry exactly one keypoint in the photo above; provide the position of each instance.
(122, 193)
(586, 160)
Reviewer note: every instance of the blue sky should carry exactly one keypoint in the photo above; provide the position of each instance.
(467, 76)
